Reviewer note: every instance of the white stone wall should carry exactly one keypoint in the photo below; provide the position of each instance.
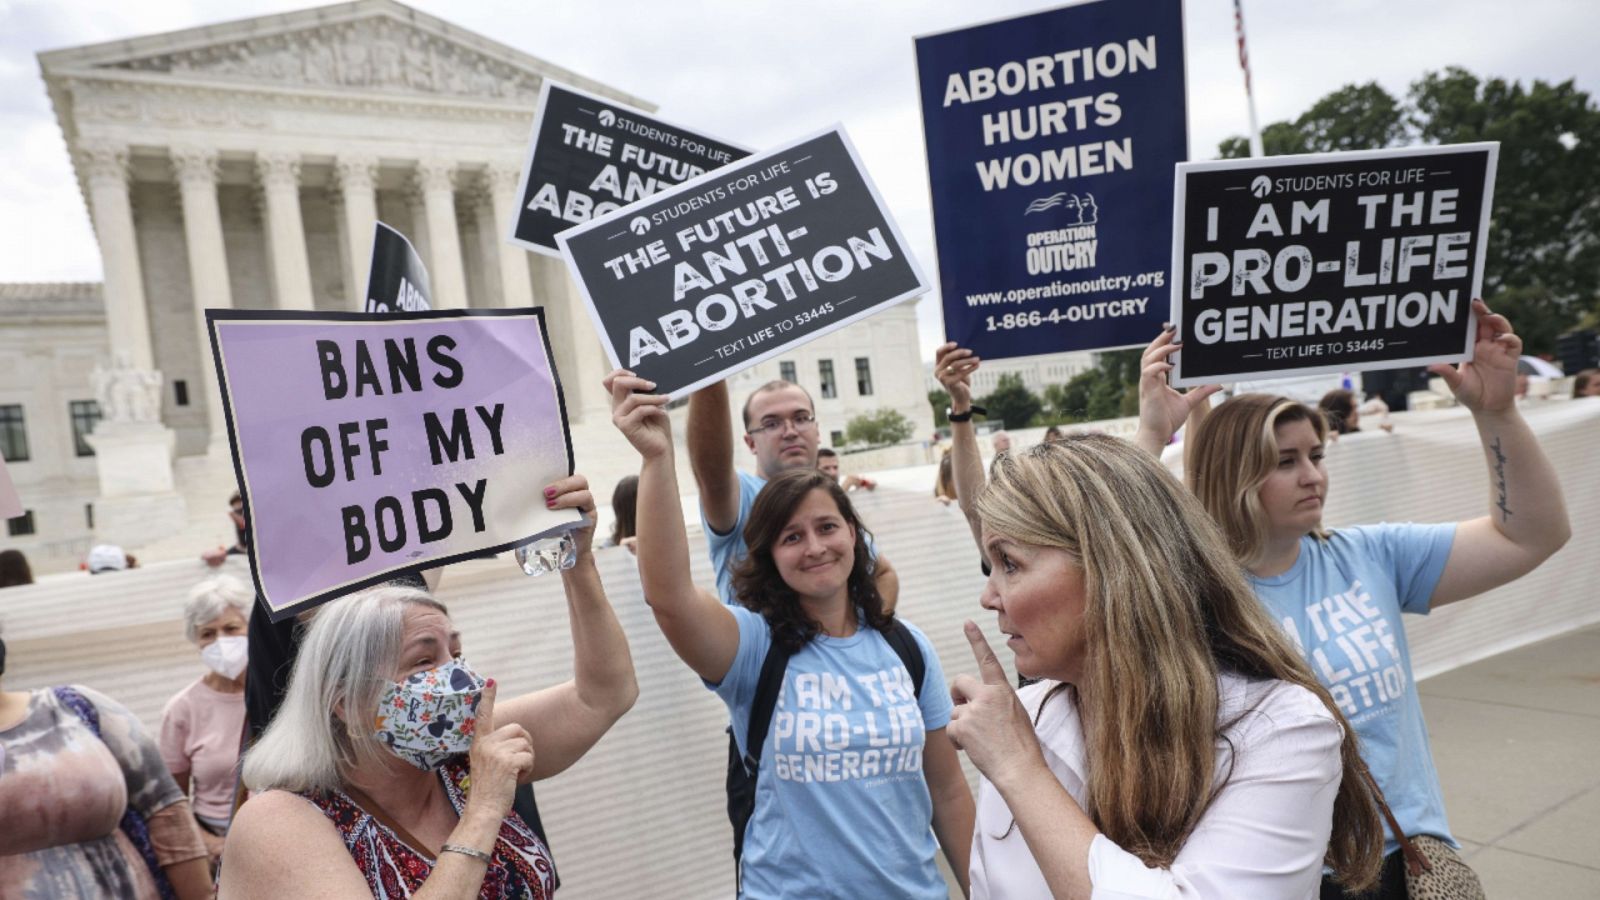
(1038, 372)
(888, 340)
(45, 362)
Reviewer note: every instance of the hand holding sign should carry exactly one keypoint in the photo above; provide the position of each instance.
(641, 417)
(1162, 408)
(573, 492)
(1488, 383)
(954, 367)
(989, 723)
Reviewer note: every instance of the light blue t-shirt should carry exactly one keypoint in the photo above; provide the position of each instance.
(842, 805)
(1341, 603)
(728, 550)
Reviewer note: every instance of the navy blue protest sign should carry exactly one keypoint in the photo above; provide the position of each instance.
(1331, 262)
(590, 156)
(1051, 142)
(741, 264)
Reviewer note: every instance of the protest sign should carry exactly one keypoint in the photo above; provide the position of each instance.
(590, 156)
(1334, 262)
(741, 264)
(1051, 139)
(367, 445)
(398, 280)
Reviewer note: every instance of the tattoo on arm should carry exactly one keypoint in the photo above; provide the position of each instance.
(1500, 480)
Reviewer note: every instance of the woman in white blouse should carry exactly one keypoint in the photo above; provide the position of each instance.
(1178, 746)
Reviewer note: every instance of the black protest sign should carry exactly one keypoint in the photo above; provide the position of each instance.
(741, 264)
(590, 156)
(398, 280)
(1335, 262)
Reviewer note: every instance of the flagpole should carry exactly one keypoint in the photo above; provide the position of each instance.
(1250, 96)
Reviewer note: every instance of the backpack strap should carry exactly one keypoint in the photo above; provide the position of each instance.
(910, 652)
(768, 686)
(132, 824)
(743, 771)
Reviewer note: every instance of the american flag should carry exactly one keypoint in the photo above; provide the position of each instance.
(1244, 57)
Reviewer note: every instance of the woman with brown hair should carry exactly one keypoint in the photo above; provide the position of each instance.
(1255, 464)
(1177, 745)
(625, 513)
(854, 776)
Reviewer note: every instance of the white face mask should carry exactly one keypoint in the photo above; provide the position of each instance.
(226, 655)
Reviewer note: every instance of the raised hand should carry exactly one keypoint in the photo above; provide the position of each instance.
(500, 759)
(641, 417)
(572, 492)
(989, 723)
(1162, 408)
(953, 366)
(1489, 382)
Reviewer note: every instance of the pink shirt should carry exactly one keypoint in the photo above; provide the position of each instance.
(200, 731)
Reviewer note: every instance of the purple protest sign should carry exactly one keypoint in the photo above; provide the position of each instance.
(370, 445)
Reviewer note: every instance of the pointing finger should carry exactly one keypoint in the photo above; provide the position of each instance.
(988, 664)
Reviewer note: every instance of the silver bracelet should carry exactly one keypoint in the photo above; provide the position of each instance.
(466, 851)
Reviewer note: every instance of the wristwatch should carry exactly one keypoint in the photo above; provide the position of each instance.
(954, 416)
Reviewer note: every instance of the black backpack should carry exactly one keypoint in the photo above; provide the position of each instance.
(742, 770)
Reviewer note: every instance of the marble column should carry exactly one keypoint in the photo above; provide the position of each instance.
(105, 167)
(516, 285)
(435, 179)
(483, 264)
(195, 169)
(286, 236)
(584, 394)
(355, 179)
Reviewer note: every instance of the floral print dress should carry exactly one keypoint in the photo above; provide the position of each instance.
(521, 869)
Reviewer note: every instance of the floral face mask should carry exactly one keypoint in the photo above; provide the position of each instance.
(430, 716)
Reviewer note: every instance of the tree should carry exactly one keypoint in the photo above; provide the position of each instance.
(1543, 266)
(1012, 402)
(939, 399)
(1110, 390)
(875, 429)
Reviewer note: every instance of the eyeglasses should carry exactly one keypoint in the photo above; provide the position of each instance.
(802, 421)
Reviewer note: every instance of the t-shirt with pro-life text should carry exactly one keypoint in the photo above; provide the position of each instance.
(842, 805)
(1341, 603)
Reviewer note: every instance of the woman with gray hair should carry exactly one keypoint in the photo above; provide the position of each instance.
(201, 727)
(362, 777)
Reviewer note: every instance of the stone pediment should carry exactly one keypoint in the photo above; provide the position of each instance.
(378, 53)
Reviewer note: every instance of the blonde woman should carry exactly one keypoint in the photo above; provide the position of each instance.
(1255, 463)
(1178, 745)
(391, 770)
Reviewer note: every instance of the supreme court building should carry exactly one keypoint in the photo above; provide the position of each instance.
(243, 165)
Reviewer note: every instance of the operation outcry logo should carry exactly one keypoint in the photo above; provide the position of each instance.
(1080, 210)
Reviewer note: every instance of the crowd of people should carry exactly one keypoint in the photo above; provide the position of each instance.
(1218, 698)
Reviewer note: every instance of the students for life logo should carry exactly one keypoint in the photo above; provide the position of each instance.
(1261, 186)
(608, 118)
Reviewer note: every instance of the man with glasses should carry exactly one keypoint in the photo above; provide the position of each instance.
(780, 428)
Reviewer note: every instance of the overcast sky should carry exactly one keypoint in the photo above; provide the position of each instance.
(760, 72)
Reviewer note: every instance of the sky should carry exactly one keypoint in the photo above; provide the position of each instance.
(761, 72)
